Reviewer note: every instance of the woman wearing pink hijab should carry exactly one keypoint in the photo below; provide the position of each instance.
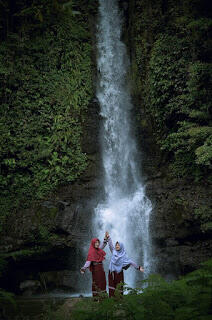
(118, 263)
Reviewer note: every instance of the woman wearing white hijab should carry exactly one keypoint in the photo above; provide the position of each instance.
(119, 261)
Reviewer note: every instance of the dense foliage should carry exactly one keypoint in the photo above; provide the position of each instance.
(173, 72)
(186, 299)
(46, 86)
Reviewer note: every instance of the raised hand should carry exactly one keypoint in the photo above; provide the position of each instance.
(141, 269)
(107, 235)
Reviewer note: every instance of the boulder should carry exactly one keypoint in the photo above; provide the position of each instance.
(29, 287)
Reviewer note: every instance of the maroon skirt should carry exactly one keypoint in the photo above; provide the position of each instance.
(114, 279)
(98, 279)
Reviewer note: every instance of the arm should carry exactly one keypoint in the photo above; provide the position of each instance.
(103, 244)
(86, 266)
(110, 244)
(133, 264)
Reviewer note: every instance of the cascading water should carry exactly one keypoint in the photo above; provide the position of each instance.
(125, 211)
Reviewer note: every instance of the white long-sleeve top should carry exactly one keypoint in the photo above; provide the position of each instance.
(88, 263)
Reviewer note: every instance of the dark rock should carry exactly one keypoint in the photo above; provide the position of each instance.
(48, 204)
(61, 205)
(173, 225)
(171, 242)
(29, 287)
(60, 279)
(191, 256)
(29, 284)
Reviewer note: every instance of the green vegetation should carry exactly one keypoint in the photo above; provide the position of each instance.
(24, 253)
(203, 214)
(7, 297)
(46, 86)
(186, 299)
(173, 75)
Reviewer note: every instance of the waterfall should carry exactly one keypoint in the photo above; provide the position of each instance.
(125, 210)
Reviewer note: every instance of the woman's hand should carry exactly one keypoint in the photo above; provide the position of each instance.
(141, 269)
(107, 235)
(82, 271)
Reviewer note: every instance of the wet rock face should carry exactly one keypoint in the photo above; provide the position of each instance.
(50, 282)
(26, 268)
(179, 243)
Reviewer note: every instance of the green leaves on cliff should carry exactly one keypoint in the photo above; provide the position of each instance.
(203, 214)
(179, 97)
(46, 86)
(175, 77)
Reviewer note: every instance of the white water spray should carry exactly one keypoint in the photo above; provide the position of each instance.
(125, 211)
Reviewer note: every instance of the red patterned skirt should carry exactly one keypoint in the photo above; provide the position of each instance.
(98, 279)
(114, 279)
